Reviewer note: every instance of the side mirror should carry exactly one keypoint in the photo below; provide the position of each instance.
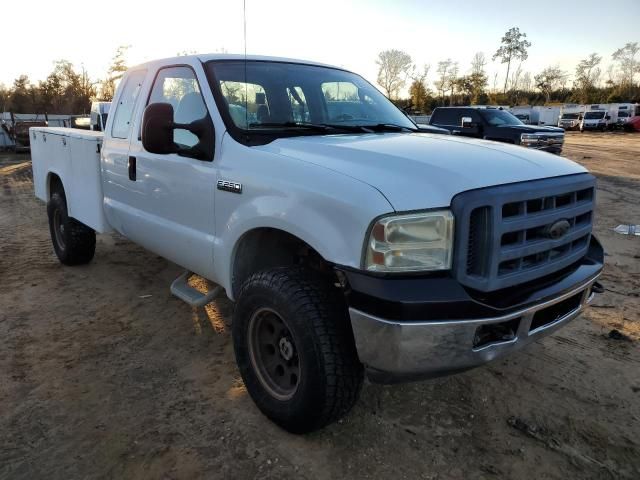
(608, 117)
(467, 122)
(158, 127)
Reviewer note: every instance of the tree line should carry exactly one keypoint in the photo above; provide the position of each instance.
(66, 90)
(453, 86)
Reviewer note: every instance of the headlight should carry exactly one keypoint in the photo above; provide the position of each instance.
(529, 138)
(411, 243)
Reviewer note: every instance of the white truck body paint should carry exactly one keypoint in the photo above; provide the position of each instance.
(325, 190)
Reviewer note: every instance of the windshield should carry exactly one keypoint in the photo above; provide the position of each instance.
(623, 113)
(279, 96)
(497, 118)
(570, 116)
(522, 116)
(593, 115)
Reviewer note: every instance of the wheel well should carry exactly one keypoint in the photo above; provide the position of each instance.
(266, 248)
(54, 184)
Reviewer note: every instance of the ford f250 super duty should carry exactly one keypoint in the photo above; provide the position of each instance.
(350, 241)
(494, 123)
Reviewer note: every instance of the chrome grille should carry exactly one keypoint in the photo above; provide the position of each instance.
(504, 234)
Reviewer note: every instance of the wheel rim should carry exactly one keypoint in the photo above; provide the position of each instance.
(58, 228)
(273, 353)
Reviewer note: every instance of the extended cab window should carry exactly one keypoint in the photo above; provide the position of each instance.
(179, 87)
(126, 104)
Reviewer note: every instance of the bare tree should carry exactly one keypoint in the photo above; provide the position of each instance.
(444, 74)
(550, 79)
(394, 67)
(514, 47)
(515, 78)
(627, 62)
(527, 82)
(587, 75)
(418, 90)
(477, 80)
(453, 81)
(478, 62)
(114, 74)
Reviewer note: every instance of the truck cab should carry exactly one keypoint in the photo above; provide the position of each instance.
(498, 125)
(626, 111)
(351, 242)
(599, 117)
(571, 117)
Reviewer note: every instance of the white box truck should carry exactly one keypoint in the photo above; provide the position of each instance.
(350, 244)
(626, 111)
(526, 114)
(600, 116)
(548, 115)
(571, 116)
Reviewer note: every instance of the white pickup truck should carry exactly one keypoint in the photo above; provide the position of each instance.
(350, 240)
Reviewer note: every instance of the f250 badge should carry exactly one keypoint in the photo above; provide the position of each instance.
(227, 186)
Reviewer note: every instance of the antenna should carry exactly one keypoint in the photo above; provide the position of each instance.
(246, 90)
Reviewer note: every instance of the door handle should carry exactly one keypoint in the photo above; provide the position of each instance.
(132, 168)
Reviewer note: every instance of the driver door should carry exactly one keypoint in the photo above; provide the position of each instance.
(176, 208)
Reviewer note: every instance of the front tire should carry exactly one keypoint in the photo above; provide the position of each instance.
(73, 242)
(295, 349)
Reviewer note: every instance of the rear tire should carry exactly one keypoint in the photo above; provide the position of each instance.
(73, 242)
(295, 350)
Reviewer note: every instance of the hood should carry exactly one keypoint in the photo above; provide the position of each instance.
(533, 128)
(417, 171)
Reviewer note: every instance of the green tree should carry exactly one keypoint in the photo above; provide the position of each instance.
(21, 98)
(418, 93)
(514, 47)
(394, 67)
(418, 90)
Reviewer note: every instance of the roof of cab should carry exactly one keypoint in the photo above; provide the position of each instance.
(226, 56)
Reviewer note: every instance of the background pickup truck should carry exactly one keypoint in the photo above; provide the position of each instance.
(350, 241)
(498, 125)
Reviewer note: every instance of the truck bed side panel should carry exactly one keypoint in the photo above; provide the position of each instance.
(74, 156)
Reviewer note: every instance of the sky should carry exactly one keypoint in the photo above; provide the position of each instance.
(344, 33)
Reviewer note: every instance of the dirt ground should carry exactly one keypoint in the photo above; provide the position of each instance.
(103, 374)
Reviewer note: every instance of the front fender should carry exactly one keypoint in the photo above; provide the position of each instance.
(329, 211)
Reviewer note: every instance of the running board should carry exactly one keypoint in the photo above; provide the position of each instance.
(181, 289)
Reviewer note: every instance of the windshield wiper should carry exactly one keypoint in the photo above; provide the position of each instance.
(325, 127)
(389, 127)
(322, 127)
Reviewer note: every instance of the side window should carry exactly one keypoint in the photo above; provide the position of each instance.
(248, 103)
(445, 116)
(475, 117)
(179, 87)
(126, 104)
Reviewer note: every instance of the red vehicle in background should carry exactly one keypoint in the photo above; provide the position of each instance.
(633, 125)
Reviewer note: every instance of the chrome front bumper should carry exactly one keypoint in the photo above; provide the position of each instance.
(395, 351)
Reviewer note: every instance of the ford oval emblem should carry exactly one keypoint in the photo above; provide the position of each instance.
(558, 229)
